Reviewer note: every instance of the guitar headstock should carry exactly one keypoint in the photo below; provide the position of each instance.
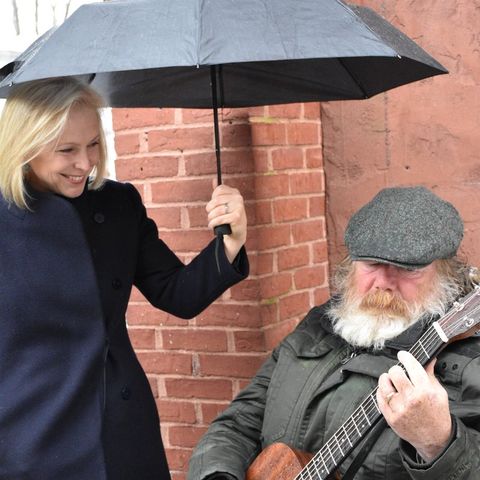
(463, 319)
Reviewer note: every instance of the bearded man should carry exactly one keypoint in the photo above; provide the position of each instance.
(400, 275)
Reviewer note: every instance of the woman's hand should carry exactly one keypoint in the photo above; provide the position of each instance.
(226, 206)
(416, 406)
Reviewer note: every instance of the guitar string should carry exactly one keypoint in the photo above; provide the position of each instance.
(369, 406)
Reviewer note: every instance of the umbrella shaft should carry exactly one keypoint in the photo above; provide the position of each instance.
(213, 83)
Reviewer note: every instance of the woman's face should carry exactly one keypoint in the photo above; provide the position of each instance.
(64, 165)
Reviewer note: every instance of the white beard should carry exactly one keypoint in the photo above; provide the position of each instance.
(363, 329)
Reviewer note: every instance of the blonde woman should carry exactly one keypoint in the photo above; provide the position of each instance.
(74, 401)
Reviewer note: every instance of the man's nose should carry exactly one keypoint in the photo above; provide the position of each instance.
(386, 278)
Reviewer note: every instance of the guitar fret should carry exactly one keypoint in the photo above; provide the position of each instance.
(423, 348)
(339, 446)
(331, 454)
(346, 435)
(365, 415)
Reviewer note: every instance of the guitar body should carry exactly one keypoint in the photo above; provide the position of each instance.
(278, 462)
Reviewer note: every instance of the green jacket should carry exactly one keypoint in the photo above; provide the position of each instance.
(312, 383)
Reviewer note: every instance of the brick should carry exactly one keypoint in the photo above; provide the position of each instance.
(264, 264)
(268, 133)
(233, 161)
(314, 157)
(178, 476)
(185, 436)
(127, 143)
(275, 334)
(244, 184)
(230, 366)
(309, 182)
(273, 236)
(270, 311)
(263, 212)
(291, 110)
(260, 160)
(310, 277)
(142, 338)
(316, 206)
(239, 316)
(308, 231)
(245, 290)
(236, 135)
(275, 285)
(197, 115)
(320, 252)
(294, 305)
(293, 257)
(290, 209)
(249, 341)
(136, 295)
(287, 158)
(157, 362)
(188, 190)
(213, 389)
(270, 186)
(210, 411)
(189, 138)
(197, 216)
(174, 410)
(178, 460)
(311, 110)
(196, 240)
(321, 295)
(146, 167)
(195, 339)
(166, 217)
(126, 118)
(153, 385)
(146, 315)
(303, 133)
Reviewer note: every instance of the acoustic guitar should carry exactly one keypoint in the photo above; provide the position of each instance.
(281, 462)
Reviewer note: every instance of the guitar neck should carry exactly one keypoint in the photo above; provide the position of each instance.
(343, 441)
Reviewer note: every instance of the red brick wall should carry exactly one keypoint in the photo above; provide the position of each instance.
(274, 156)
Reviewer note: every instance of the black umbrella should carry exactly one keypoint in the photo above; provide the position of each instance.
(224, 53)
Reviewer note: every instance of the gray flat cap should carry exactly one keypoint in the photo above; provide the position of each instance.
(407, 226)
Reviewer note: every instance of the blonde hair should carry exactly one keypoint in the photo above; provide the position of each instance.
(34, 115)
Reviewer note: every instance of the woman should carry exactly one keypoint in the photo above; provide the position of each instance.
(74, 402)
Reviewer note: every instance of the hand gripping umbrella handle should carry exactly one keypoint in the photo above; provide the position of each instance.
(224, 229)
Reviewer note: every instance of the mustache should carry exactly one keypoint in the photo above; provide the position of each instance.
(384, 302)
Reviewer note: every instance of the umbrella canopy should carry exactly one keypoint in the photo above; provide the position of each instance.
(224, 53)
(159, 53)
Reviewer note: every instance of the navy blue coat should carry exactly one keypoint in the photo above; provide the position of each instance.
(74, 401)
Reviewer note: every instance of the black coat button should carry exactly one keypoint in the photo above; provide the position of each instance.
(455, 366)
(125, 393)
(99, 217)
(116, 283)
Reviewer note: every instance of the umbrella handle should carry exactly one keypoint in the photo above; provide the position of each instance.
(224, 229)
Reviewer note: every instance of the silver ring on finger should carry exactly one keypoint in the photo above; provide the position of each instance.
(226, 208)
